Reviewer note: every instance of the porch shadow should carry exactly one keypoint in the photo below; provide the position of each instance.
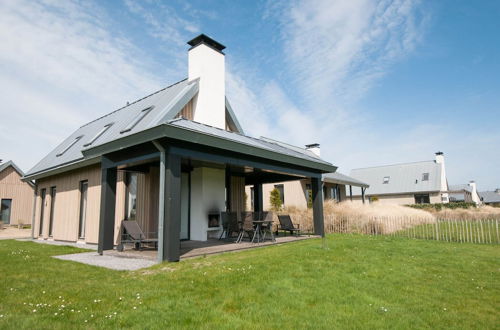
(193, 249)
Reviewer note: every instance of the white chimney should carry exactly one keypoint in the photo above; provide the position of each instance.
(314, 148)
(475, 196)
(443, 180)
(206, 61)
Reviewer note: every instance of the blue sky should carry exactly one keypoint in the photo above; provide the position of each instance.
(375, 82)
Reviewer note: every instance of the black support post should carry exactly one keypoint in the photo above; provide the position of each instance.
(228, 189)
(258, 202)
(108, 201)
(172, 209)
(363, 194)
(350, 192)
(317, 195)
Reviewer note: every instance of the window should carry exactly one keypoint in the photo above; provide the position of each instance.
(52, 204)
(137, 119)
(422, 199)
(131, 202)
(308, 195)
(386, 179)
(78, 138)
(98, 135)
(251, 198)
(84, 186)
(425, 176)
(5, 207)
(42, 211)
(281, 190)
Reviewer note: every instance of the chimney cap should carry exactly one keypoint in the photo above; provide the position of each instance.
(439, 153)
(204, 39)
(313, 145)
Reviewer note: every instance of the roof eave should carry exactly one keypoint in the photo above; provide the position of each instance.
(173, 132)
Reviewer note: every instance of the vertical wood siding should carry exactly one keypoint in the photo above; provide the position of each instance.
(21, 194)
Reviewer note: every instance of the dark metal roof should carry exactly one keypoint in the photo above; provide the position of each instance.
(340, 178)
(490, 196)
(204, 39)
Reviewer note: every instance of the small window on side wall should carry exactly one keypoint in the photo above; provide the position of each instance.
(386, 179)
(425, 176)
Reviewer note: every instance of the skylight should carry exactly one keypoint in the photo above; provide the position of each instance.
(140, 116)
(98, 135)
(386, 179)
(78, 138)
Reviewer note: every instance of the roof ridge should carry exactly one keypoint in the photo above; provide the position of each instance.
(129, 104)
(396, 164)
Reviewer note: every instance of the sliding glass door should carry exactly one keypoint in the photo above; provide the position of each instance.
(5, 208)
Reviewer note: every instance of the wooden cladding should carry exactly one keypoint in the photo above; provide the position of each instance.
(21, 194)
(237, 194)
(187, 111)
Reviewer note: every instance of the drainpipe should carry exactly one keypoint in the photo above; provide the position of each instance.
(161, 202)
(34, 212)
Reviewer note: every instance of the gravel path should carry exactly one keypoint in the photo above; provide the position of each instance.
(111, 262)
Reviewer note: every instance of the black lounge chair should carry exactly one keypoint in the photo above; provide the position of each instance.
(286, 224)
(132, 233)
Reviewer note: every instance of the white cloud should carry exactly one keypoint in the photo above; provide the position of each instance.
(61, 67)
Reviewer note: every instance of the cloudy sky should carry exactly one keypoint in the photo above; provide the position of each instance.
(374, 82)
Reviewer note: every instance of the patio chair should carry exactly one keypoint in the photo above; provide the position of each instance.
(267, 227)
(132, 233)
(246, 227)
(286, 224)
(229, 224)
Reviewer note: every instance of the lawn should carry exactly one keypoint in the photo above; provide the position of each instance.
(351, 281)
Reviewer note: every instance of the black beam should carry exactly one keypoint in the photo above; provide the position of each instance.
(317, 195)
(228, 189)
(172, 209)
(107, 211)
(258, 203)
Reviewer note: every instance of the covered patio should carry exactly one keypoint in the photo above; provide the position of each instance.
(196, 170)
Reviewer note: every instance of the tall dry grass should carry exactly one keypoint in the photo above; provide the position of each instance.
(474, 213)
(349, 217)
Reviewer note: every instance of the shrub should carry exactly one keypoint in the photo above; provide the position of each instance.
(275, 200)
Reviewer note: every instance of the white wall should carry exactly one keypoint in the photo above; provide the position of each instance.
(208, 65)
(207, 194)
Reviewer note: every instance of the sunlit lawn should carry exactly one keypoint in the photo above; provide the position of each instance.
(355, 282)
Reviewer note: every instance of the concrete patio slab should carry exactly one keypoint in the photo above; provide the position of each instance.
(108, 261)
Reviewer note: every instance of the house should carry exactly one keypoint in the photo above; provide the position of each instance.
(464, 193)
(491, 198)
(169, 160)
(336, 186)
(16, 196)
(409, 183)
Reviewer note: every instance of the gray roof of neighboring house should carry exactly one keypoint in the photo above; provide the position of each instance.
(17, 168)
(460, 187)
(490, 196)
(165, 104)
(403, 178)
(340, 178)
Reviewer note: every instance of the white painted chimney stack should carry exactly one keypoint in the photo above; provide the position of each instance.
(206, 61)
(443, 180)
(475, 196)
(314, 148)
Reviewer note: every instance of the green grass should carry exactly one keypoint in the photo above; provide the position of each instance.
(355, 282)
(483, 232)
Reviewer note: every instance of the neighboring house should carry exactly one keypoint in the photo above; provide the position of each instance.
(169, 160)
(464, 193)
(410, 183)
(491, 198)
(16, 196)
(336, 186)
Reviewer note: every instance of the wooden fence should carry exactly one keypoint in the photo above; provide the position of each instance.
(479, 231)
